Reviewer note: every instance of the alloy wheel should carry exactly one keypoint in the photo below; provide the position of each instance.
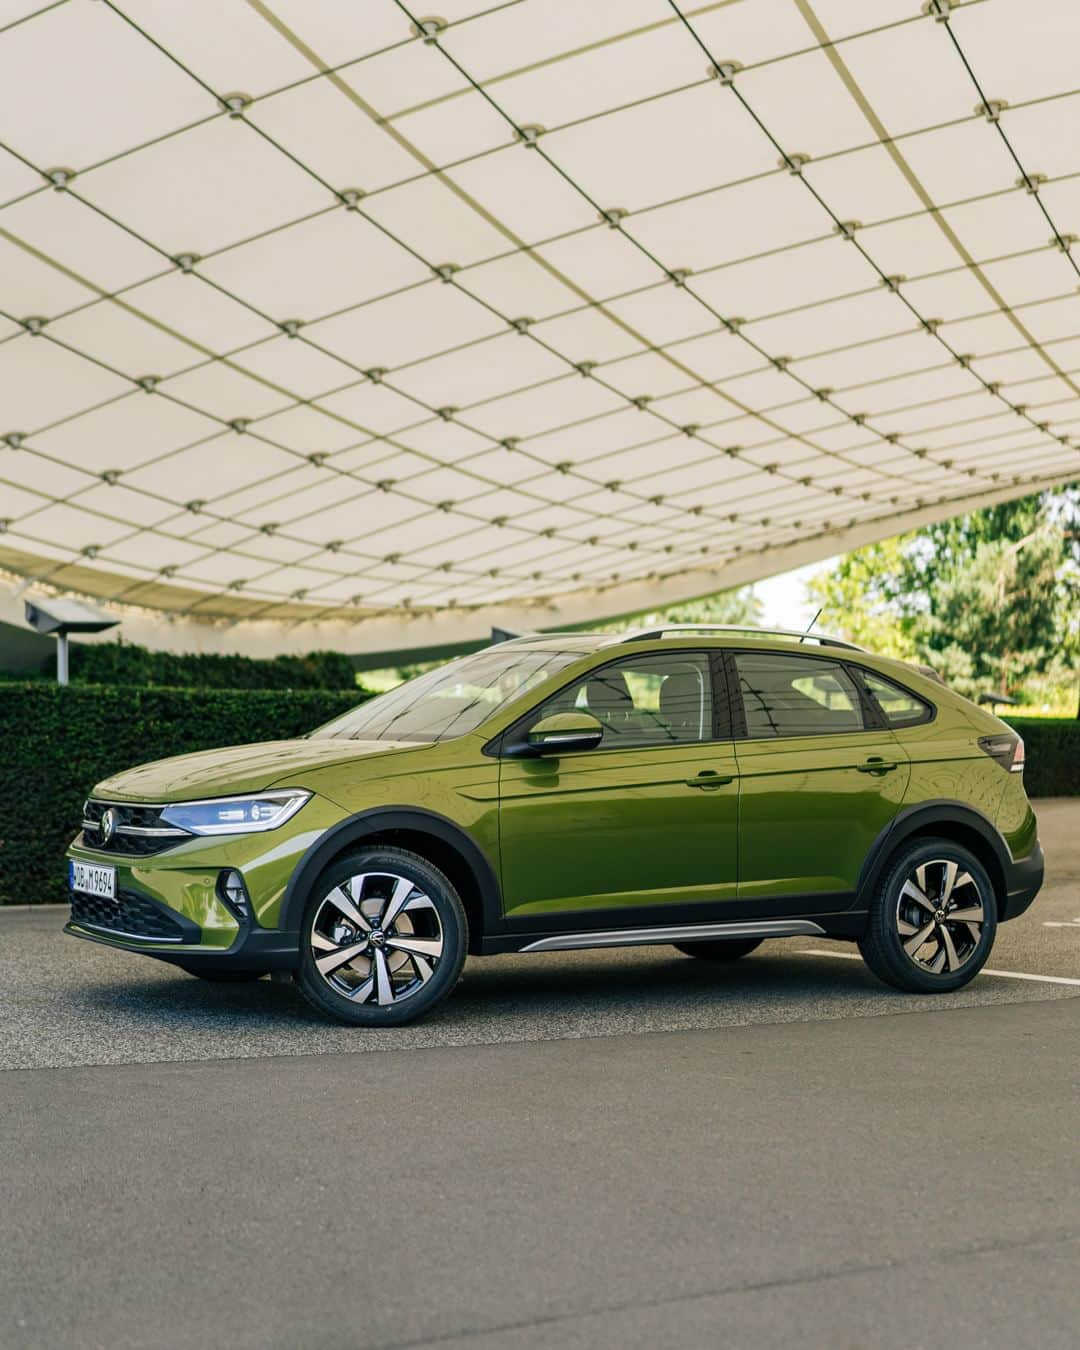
(376, 938)
(940, 914)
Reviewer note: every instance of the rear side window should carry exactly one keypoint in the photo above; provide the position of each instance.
(899, 707)
(797, 696)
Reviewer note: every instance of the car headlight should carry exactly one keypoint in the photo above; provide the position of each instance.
(236, 815)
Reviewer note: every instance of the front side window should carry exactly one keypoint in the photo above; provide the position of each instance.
(796, 696)
(899, 708)
(654, 699)
(451, 700)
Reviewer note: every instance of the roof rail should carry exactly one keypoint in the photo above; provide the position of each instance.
(542, 635)
(678, 629)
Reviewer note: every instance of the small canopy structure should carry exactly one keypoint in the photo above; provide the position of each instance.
(358, 322)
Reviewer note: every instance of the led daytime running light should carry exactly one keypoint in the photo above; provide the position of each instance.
(250, 814)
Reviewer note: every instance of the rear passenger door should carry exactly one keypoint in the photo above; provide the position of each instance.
(820, 774)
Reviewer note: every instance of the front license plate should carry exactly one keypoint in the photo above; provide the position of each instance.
(92, 879)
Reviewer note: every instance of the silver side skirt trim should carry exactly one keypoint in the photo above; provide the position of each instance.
(690, 932)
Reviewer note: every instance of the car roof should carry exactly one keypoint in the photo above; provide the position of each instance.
(718, 635)
(721, 636)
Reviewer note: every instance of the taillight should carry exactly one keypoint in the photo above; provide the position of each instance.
(1007, 749)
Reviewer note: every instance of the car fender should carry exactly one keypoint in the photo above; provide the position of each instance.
(355, 829)
(917, 819)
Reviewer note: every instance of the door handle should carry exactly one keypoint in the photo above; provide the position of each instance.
(709, 778)
(875, 764)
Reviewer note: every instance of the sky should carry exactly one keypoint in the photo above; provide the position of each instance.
(783, 597)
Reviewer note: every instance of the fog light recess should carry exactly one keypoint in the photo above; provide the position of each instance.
(233, 892)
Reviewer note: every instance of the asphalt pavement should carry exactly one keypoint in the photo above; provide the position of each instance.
(588, 1149)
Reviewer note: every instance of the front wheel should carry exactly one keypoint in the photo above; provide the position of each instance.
(933, 919)
(719, 950)
(383, 939)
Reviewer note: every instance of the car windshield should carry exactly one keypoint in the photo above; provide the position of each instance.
(452, 700)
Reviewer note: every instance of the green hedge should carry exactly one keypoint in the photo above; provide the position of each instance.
(1053, 755)
(57, 743)
(128, 664)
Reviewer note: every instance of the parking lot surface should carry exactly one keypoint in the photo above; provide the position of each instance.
(597, 1148)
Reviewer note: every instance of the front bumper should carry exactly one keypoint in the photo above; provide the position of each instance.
(253, 948)
(175, 914)
(173, 896)
(1023, 881)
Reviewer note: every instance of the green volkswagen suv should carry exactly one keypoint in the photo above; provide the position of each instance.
(708, 788)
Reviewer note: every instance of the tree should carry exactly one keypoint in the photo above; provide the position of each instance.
(990, 599)
(993, 617)
(860, 599)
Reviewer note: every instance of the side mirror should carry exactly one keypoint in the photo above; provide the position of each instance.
(561, 732)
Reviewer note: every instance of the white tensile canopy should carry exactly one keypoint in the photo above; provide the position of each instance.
(340, 317)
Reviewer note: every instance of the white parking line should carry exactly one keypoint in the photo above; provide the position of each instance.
(1017, 975)
(1003, 974)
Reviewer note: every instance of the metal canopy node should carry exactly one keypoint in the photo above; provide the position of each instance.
(524, 313)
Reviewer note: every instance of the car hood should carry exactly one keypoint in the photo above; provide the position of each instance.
(238, 768)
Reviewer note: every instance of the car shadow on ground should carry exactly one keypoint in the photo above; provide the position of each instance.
(633, 987)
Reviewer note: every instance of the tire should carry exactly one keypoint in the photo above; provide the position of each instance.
(225, 976)
(402, 929)
(922, 886)
(719, 950)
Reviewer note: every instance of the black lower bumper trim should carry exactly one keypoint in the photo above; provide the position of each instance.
(253, 949)
(132, 915)
(1023, 882)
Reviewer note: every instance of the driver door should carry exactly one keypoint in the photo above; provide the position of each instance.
(648, 819)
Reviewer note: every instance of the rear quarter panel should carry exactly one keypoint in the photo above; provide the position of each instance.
(1015, 818)
(947, 765)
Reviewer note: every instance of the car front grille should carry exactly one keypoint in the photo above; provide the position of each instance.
(138, 831)
(130, 915)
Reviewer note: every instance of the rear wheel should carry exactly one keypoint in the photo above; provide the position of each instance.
(719, 950)
(933, 920)
(383, 939)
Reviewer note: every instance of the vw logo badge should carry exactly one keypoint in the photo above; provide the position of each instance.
(107, 826)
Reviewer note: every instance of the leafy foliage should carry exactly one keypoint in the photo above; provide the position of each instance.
(860, 599)
(59, 742)
(123, 663)
(991, 600)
